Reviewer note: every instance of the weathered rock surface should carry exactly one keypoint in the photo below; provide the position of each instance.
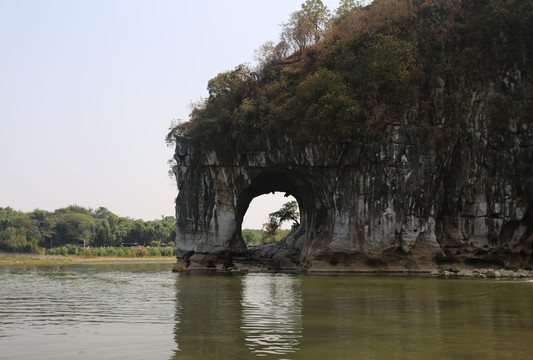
(409, 200)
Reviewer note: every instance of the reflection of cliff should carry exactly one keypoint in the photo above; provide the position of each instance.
(223, 317)
(399, 317)
(373, 317)
(272, 314)
(207, 317)
(350, 317)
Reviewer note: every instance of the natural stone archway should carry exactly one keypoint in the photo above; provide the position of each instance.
(210, 222)
(271, 181)
(287, 252)
(396, 203)
(342, 225)
(408, 196)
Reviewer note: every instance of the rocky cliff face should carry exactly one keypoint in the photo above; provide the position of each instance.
(410, 198)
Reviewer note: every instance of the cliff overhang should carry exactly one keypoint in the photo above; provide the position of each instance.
(398, 203)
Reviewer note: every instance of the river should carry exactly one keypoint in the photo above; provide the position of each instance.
(144, 311)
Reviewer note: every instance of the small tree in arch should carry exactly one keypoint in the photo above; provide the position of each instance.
(289, 211)
(271, 228)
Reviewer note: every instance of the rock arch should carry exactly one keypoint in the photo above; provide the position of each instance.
(306, 187)
(214, 194)
(389, 204)
(278, 180)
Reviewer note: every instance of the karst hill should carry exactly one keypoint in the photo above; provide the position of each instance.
(404, 129)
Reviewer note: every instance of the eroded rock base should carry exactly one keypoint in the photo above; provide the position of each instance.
(240, 265)
(281, 257)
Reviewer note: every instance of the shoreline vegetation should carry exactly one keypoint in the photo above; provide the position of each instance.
(130, 251)
(105, 233)
(75, 225)
(41, 259)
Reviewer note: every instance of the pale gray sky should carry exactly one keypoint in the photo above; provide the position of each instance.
(89, 87)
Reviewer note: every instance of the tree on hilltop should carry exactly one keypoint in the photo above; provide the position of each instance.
(306, 26)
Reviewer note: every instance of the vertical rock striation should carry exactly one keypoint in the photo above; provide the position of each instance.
(439, 179)
(409, 199)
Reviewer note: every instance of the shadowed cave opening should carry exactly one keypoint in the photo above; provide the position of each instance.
(291, 184)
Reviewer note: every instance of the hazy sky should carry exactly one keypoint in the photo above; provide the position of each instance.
(88, 89)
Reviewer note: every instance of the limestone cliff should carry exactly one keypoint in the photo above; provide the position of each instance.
(424, 188)
(399, 202)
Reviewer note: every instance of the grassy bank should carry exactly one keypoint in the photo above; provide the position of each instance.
(26, 259)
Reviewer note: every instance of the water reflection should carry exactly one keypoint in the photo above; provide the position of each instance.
(237, 316)
(207, 317)
(399, 318)
(350, 317)
(272, 313)
(139, 311)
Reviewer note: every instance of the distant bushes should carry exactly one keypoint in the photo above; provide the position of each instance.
(256, 237)
(18, 233)
(113, 251)
(95, 228)
(18, 240)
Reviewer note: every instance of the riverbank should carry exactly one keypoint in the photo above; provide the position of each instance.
(483, 273)
(28, 259)
(281, 262)
(449, 272)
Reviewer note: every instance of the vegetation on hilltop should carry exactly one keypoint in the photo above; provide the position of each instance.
(76, 225)
(346, 74)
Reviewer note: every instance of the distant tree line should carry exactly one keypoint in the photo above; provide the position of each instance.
(256, 236)
(76, 225)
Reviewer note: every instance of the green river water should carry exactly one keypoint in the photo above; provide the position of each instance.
(144, 311)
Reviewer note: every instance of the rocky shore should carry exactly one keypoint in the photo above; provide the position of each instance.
(484, 273)
(202, 262)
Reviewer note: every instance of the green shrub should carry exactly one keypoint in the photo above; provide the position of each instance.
(141, 252)
(63, 251)
(167, 251)
(154, 251)
(112, 251)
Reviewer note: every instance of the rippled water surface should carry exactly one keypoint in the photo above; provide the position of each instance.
(144, 311)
